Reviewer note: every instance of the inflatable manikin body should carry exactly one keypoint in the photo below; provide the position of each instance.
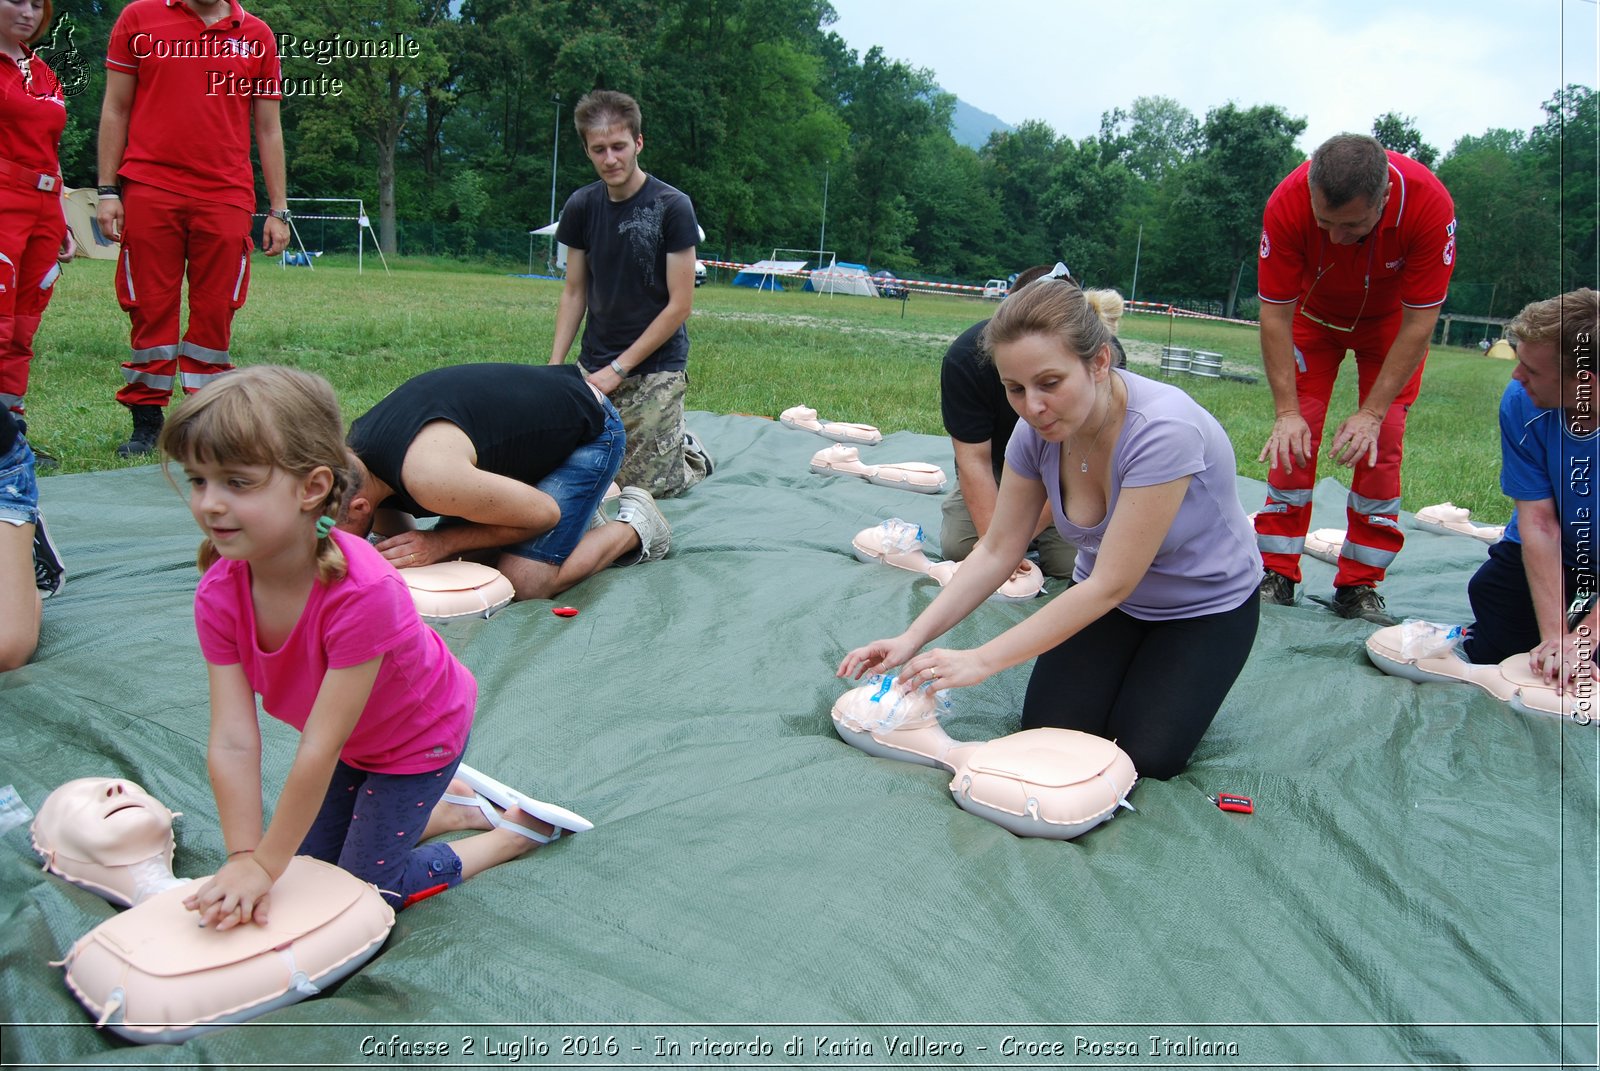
(1057, 783)
(446, 591)
(1425, 652)
(150, 974)
(898, 543)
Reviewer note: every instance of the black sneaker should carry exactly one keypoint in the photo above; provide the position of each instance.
(1276, 589)
(48, 573)
(1361, 602)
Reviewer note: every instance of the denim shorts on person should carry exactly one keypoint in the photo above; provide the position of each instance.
(577, 486)
(19, 487)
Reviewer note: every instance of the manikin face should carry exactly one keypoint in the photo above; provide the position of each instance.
(105, 820)
(1052, 389)
(614, 151)
(19, 20)
(1350, 222)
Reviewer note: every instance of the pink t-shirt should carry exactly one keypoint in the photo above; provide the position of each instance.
(421, 706)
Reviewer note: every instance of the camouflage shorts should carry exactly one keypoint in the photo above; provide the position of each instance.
(657, 456)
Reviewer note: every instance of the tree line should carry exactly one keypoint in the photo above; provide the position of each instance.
(759, 112)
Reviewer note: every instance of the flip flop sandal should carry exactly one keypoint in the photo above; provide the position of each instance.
(804, 418)
(505, 797)
(1324, 544)
(1451, 519)
(899, 543)
(916, 476)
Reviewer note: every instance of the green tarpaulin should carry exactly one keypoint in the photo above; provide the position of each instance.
(1416, 886)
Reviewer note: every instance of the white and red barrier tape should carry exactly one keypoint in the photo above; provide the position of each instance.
(1174, 310)
(877, 280)
(1134, 306)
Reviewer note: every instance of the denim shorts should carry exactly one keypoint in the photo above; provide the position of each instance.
(577, 486)
(19, 487)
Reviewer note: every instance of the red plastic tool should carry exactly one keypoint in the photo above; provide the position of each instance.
(1227, 801)
(564, 611)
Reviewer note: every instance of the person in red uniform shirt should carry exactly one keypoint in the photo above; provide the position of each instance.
(186, 80)
(33, 229)
(1357, 247)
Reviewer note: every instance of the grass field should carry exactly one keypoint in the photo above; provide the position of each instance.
(753, 352)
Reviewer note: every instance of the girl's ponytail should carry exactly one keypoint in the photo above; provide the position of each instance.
(331, 563)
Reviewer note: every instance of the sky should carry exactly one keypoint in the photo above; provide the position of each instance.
(1457, 67)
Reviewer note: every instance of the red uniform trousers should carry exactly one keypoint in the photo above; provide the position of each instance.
(1372, 537)
(31, 231)
(165, 233)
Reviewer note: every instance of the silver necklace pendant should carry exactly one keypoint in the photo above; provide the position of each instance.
(1084, 467)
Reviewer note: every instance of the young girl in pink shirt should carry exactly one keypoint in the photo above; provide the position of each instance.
(317, 624)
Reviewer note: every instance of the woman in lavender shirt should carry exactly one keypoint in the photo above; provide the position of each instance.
(1144, 647)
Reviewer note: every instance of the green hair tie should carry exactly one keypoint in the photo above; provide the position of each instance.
(324, 526)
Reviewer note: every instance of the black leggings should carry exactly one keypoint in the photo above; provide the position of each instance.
(1152, 686)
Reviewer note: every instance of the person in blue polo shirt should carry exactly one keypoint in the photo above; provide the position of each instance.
(1536, 592)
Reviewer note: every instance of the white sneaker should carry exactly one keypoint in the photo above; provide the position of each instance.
(638, 508)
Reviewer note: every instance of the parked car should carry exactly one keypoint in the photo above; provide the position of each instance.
(888, 286)
(995, 290)
(699, 272)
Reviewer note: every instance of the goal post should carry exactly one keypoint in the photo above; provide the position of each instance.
(338, 209)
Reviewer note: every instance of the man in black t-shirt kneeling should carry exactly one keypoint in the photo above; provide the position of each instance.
(515, 461)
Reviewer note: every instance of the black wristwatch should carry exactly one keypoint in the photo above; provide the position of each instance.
(108, 191)
(279, 213)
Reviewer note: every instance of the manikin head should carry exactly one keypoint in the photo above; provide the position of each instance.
(105, 820)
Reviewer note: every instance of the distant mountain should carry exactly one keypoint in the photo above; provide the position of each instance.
(971, 126)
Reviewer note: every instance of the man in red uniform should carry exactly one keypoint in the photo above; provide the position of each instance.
(1357, 248)
(185, 82)
(33, 231)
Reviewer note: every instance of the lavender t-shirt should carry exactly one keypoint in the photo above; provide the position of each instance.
(420, 709)
(1208, 562)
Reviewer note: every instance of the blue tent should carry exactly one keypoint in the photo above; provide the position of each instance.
(765, 274)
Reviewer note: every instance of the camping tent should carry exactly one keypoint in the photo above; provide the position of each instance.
(842, 278)
(764, 274)
(544, 232)
(1501, 349)
(81, 206)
